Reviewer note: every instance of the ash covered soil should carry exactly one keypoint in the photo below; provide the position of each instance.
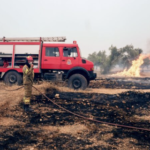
(116, 83)
(49, 127)
(121, 84)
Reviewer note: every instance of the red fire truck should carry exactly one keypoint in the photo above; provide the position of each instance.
(52, 57)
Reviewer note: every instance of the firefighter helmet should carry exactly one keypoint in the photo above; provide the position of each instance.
(30, 58)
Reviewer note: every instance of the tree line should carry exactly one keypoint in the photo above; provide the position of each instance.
(122, 57)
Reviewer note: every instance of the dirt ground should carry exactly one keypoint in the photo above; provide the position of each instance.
(49, 127)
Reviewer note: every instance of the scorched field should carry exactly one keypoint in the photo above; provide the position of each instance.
(49, 127)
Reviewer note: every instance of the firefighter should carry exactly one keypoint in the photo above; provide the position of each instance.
(28, 77)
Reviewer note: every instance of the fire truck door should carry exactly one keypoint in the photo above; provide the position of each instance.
(51, 58)
(69, 58)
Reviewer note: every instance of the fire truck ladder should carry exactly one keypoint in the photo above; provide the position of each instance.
(33, 39)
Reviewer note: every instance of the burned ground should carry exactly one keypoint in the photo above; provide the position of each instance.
(116, 83)
(121, 84)
(49, 127)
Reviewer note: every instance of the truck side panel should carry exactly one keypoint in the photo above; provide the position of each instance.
(13, 54)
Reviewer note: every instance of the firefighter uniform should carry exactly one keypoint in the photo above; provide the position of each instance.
(28, 77)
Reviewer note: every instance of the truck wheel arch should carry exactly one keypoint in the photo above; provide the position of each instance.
(19, 76)
(78, 70)
(5, 73)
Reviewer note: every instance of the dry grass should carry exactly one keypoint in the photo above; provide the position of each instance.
(11, 97)
(6, 121)
(67, 129)
(144, 117)
(47, 85)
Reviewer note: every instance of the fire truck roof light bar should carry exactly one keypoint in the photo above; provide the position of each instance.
(33, 39)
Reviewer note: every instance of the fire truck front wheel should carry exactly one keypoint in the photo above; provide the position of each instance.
(77, 81)
(13, 77)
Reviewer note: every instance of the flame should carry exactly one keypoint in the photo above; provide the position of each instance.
(134, 70)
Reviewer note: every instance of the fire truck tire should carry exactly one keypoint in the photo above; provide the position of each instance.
(77, 81)
(13, 77)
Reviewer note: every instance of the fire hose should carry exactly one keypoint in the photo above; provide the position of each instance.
(15, 89)
(85, 118)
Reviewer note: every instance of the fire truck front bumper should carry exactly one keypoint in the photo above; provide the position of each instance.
(93, 76)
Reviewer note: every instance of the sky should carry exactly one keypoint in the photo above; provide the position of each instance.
(94, 24)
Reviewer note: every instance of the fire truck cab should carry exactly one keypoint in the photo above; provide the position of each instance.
(52, 59)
